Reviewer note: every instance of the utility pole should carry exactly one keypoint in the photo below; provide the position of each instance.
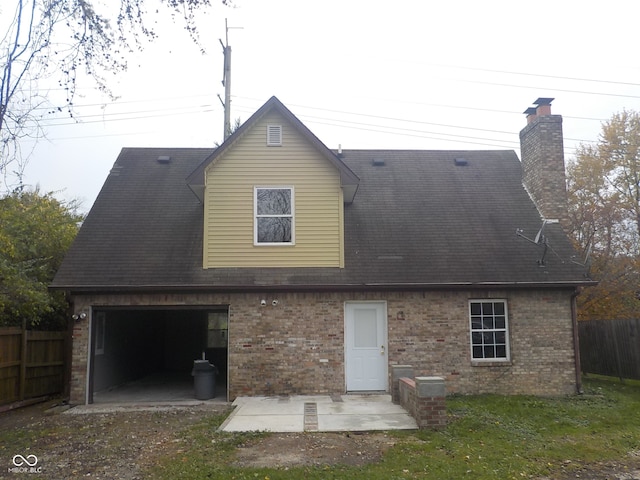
(226, 82)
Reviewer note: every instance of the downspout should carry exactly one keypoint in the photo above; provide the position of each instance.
(576, 340)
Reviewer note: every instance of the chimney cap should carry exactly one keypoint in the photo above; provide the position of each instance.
(530, 111)
(543, 101)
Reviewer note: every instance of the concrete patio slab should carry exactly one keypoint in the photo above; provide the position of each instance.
(364, 422)
(317, 413)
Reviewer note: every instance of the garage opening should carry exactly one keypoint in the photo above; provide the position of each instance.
(147, 354)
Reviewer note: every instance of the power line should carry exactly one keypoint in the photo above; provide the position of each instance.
(380, 117)
(391, 130)
(81, 119)
(105, 117)
(474, 69)
(103, 105)
(163, 112)
(539, 75)
(553, 89)
(344, 123)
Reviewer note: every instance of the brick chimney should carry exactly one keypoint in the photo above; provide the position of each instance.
(542, 150)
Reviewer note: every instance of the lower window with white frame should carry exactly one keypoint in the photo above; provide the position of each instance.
(489, 330)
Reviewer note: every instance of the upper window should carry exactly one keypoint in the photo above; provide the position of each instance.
(274, 135)
(489, 330)
(274, 221)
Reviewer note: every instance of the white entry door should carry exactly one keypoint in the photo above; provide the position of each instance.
(366, 346)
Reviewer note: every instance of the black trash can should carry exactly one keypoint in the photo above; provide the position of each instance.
(204, 379)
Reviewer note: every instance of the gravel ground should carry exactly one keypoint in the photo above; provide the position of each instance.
(117, 445)
(123, 444)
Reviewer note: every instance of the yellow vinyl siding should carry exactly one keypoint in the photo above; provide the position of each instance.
(229, 197)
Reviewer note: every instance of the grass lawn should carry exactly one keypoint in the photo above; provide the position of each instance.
(488, 437)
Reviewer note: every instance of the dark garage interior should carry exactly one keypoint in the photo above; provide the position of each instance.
(153, 350)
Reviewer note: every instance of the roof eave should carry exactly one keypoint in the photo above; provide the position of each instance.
(79, 289)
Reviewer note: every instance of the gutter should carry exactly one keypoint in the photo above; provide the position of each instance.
(576, 340)
(231, 288)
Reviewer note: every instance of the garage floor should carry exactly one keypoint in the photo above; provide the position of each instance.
(161, 387)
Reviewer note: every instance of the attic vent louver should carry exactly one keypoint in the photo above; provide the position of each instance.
(164, 159)
(461, 162)
(274, 135)
(377, 162)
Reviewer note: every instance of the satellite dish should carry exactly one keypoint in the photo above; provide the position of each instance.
(540, 234)
(587, 256)
(540, 239)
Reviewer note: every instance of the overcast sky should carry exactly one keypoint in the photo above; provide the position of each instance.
(413, 74)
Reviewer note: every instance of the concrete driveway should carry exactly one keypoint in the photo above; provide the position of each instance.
(320, 413)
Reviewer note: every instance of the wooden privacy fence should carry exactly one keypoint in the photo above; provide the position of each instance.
(31, 363)
(610, 347)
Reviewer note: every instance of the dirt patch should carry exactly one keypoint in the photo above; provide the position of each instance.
(98, 445)
(295, 449)
(628, 470)
(125, 444)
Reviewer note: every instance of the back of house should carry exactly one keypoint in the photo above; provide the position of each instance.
(297, 269)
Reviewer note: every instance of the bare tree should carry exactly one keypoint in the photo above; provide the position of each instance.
(64, 40)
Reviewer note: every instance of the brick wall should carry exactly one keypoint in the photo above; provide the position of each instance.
(424, 399)
(79, 352)
(297, 346)
(431, 333)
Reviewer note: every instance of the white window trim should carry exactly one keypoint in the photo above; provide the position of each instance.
(292, 215)
(505, 359)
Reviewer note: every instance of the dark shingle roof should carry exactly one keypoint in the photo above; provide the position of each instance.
(417, 220)
(424, 217)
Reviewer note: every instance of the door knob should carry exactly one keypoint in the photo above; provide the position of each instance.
(381, 349)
